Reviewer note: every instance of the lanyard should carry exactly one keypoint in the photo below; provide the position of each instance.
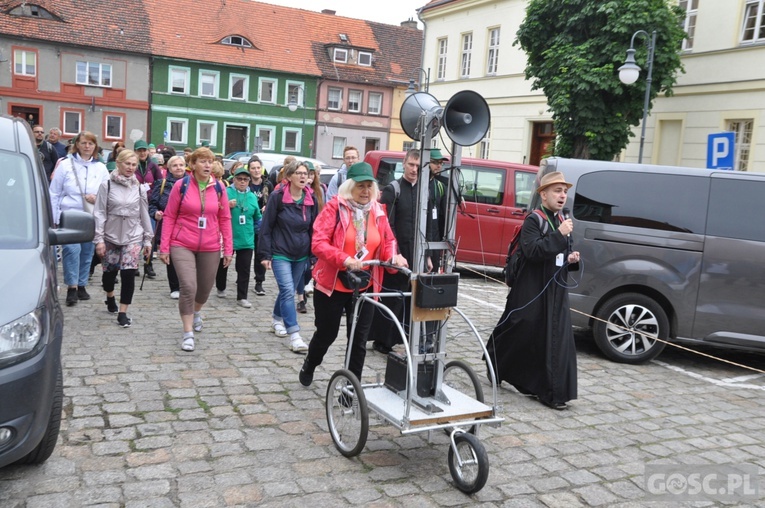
(552, 226)
(239, 201)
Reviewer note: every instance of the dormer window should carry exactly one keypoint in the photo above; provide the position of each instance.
(343, 37)
(236, 40)
(365, 59)
(340, 55)
(32, 11)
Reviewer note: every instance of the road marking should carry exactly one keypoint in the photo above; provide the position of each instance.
(479, 300)
(718, 382)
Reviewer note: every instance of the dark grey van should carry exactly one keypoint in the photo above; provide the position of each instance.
(668, 251)
(31, 321)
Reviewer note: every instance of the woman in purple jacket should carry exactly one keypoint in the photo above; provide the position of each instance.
(196, 216)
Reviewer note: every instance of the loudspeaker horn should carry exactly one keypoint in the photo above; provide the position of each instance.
(414, 107)
(466, 118)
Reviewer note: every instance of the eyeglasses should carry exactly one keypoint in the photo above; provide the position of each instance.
(242, 178)
(301, 173)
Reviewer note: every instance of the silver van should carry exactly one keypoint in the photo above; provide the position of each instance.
(673, 252)
(31, 320)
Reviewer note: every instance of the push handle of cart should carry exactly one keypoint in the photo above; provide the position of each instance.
(386, 264)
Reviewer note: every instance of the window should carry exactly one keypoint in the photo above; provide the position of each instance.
(493, 54)
(32, 11)
(365, 59)
(179, 80)
(467, 52)
(724, 219)
(354, 101)
(24, 62)
(689, 25)
(238, 87)
(754, 21)
(114, 125)
(524, 185)
(266, 91)
(72, 122)
(408, 145)
(654, 201)
(236, 40)
(96, 74)
(483, 149)
(340, 55)
(295, 90)
(265, 137)
(334, 98)
(374, 106)
(291, 140)
(483, 185)
(442, 46)
(207, 131)
(337, 147)
(177, 130)
(208, 84)
(743, 139)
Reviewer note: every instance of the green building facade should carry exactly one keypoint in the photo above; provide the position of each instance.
(231, 108)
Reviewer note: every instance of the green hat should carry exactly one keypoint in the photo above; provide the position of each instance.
(361, 172)
(436, 155)
(240, 170)
(151, 145)
(140, 145)
(205, 143)
(309, 165)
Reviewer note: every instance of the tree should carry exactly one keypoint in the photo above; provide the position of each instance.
(574, 49)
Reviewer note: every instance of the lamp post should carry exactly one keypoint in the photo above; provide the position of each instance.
(293, 105)
(411, 89)
(629, 73)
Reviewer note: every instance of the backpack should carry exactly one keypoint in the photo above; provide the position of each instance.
(185, 187)
(514, 260)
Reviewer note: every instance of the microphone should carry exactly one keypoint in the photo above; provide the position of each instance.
(566, 216)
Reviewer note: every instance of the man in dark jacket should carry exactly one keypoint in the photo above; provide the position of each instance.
(400, 198)
(54, 137)
(46, 150)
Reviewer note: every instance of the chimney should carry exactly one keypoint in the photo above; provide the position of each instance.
(328, 11)
(409, 23)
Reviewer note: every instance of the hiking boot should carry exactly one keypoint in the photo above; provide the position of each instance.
(71, 297)
(150, 273)
(123, 320)
(301, 307)
(259, 289)
(111, 304)
(306, 374)
(82, 294)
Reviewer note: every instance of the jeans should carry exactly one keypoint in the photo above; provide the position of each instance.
(288, 275)
(76, 259)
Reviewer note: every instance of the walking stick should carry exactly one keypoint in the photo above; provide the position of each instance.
(147, 260)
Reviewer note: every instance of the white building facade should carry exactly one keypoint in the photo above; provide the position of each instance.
(469, 46)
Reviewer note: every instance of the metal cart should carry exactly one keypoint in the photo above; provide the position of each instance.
(450, 398)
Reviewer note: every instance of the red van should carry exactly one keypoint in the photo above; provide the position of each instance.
(496, 196)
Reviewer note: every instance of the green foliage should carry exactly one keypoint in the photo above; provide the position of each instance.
(574, 48)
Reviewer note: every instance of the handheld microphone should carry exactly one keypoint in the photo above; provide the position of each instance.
(566, 216)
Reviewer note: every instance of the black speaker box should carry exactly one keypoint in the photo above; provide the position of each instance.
(437, 291)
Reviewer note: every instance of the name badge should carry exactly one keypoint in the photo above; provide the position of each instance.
(242, 220)
(362, 254)
(435, 213)
(559, 259)
(202, 223)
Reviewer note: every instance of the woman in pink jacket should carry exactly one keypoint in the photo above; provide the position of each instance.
(196, 216)
(349, 230)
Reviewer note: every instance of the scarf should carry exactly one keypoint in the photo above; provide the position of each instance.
(126, 181)
(360, 217)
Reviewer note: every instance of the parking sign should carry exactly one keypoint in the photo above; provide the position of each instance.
(720, 150)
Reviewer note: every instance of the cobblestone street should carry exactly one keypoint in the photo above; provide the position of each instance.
(148, 425)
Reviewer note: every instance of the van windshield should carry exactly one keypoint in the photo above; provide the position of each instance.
(18, 203)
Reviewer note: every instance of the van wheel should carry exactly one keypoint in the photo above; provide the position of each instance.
(634, 322)
(48, 442)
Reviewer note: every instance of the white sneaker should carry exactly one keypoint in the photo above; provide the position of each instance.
(279, 329)
(244, 303)
(297, 345)
(222, 293)
(175, 295)
(309, 287)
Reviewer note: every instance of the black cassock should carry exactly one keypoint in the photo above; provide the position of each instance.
(533, 349)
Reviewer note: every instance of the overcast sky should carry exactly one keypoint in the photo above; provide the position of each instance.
(392, 12)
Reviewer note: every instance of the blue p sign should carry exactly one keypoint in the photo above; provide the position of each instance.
(720, 150)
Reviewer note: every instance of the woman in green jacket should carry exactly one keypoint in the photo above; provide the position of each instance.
(245, 213)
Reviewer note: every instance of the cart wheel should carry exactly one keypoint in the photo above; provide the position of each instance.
(471, 476)
(347, 413)
(461, 377)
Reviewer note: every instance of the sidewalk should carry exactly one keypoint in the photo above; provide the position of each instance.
(148, 425)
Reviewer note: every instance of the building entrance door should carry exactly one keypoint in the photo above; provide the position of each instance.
(542, 141)
(236, 138)
(29, 113)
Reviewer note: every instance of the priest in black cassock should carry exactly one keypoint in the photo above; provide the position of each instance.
(532, 346)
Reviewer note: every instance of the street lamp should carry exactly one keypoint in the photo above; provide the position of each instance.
(411, 89)
(293, 105)
(629, 73)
